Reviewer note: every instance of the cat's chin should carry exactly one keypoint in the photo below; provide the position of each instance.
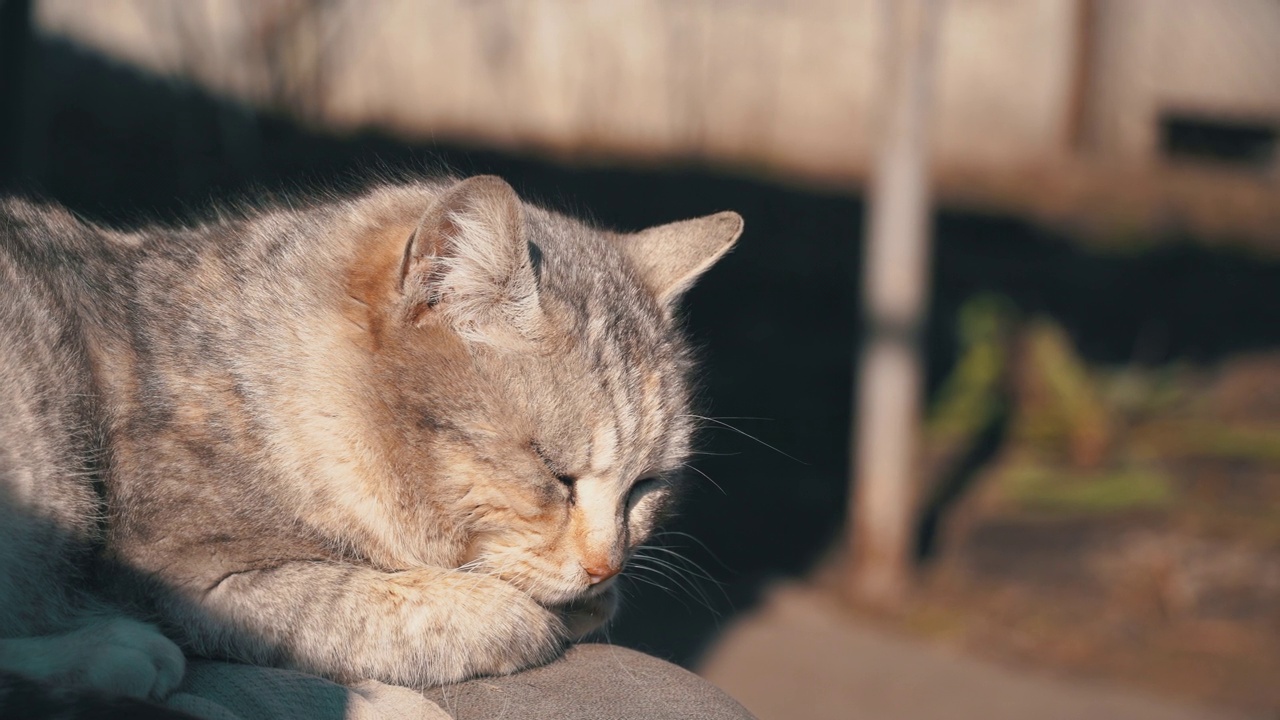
(589, 613)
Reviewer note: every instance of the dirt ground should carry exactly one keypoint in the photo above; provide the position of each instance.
(803, 655)
(1183, 615)
(1137, 615)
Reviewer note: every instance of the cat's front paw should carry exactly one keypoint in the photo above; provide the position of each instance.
(522, 634)
(118, 657)
(467, 625)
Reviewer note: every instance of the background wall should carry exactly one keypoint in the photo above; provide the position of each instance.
(1050, 107)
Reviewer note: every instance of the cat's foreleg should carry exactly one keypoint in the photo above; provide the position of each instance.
(422, 627)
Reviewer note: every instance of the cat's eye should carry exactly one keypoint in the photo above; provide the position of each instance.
(645, 484)
(642, 487)
(564, 479)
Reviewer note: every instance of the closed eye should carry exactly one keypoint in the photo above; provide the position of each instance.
(643, 485)
(562, 477)
(642, 488)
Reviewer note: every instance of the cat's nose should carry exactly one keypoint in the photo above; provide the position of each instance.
(599, 572)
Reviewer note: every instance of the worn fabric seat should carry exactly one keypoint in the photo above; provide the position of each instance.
(591, 682)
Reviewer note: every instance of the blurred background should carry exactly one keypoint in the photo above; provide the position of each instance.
(1069, 485)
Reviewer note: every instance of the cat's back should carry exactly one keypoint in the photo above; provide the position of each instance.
(36, 245)
(45, 387)
(41, 236)
(45, 253)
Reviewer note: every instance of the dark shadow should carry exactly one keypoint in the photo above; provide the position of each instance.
(21, 697)
(15, 35)
(776, 319)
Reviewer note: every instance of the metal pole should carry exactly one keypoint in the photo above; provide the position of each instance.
(895, 294)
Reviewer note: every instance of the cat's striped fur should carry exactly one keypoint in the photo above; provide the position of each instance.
(408, 435)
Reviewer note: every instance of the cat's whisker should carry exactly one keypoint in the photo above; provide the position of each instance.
(614, 654)
(693, 538)
(745, 434)
(680, 577)
(708, 477)
(654, 583)
(701, 571)
(697, 573)
(679, 596)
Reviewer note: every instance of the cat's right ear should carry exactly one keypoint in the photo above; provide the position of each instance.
(669, 258)
(468, 263)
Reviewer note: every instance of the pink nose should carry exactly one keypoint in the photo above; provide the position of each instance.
(600, 573)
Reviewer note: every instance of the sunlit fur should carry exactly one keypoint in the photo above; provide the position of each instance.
(402, 435)
(483, 430)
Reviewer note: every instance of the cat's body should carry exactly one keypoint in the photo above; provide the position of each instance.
(409, 435)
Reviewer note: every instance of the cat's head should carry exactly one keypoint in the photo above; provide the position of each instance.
(538, 382)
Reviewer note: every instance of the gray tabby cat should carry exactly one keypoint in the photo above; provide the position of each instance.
(409, 436)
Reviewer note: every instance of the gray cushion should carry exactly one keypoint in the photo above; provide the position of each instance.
(592, 682)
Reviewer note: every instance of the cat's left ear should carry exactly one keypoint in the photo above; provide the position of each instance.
(669, 258)
(468, 261)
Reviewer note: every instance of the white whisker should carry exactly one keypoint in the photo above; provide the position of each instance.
(746, 435)
(708, 477)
